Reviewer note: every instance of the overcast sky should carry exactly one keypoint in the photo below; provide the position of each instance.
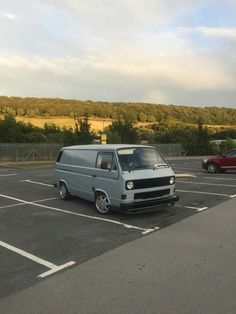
(179, 52)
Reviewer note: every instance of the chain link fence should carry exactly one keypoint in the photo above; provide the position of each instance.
(43, 151)
(170, 150)
(29, 152)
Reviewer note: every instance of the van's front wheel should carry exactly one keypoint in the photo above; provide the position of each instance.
(102, 203)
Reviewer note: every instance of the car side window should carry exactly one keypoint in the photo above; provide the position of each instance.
(231, 154)
(106, 161)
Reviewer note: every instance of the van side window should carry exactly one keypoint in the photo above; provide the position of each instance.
(59, 156)
(105, 161)
(67, 157)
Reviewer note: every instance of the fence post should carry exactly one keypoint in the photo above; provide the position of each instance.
(33, 152)
(17, 153)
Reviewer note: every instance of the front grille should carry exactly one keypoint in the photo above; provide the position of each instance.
(152, 194)
(151, 183)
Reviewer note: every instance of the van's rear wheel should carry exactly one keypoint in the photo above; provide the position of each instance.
(102, 203)
(63, 192)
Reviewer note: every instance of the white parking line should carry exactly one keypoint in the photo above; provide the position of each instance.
(178, 171)
(207, 193)
(185, 175)
(193, 168)
(53, 268)
(13, 205)
(219, 178)
(35, 182)
(191, 207)
(144, 230)
(8, 175)
(20, 203)
(47, 199)
(201, 209)
(203, 183)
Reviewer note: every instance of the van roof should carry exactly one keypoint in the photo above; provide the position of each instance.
(104, 147)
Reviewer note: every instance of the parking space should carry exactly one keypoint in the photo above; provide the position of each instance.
(41, 235)
(201, 189)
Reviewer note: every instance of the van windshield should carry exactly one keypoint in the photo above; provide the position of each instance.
(140, 158)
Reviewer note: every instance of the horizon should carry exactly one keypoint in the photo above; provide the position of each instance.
(170, 52)
(118, 102)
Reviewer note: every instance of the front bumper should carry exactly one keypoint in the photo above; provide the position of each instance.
(140, 206)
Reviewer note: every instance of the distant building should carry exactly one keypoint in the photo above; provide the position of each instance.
(218, 142)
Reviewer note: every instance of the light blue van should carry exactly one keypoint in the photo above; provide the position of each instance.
(125, 177)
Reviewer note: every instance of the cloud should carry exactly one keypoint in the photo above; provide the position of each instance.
(212, 31)
(111, 80)
(221, 32)
(123, 50)
(7, 15)
(122, 19)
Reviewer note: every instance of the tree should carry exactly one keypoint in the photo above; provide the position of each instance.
(20, 111)
(146, 135)
(18, 132)
(196, 141)
(113, 137)
(83, 133)
(8, 129)
(226, 145)
(127, 133)
(151, 118)
(142, 117)
(30, 113)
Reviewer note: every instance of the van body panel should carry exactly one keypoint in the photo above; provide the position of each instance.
(151, 204)
(89, 169)
(148, 173)
(78, 180)
(108, 181)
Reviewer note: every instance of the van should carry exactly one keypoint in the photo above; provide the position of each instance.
(123, 177)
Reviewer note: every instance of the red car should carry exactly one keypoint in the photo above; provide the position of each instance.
(220, 163)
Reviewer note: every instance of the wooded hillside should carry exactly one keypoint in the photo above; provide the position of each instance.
(141, 112)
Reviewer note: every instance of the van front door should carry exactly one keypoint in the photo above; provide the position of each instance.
(106, 175)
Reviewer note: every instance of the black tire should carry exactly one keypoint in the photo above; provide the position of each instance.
(102, 203)
(212, 167)
(63, 192)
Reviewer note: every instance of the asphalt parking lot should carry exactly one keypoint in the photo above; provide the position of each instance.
(41, 235)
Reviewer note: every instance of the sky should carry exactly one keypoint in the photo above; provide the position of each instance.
(180, 52)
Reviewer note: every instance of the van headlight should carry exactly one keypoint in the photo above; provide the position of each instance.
(129, 185)
(172, 180)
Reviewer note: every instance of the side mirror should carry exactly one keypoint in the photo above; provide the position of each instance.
(223, 155)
